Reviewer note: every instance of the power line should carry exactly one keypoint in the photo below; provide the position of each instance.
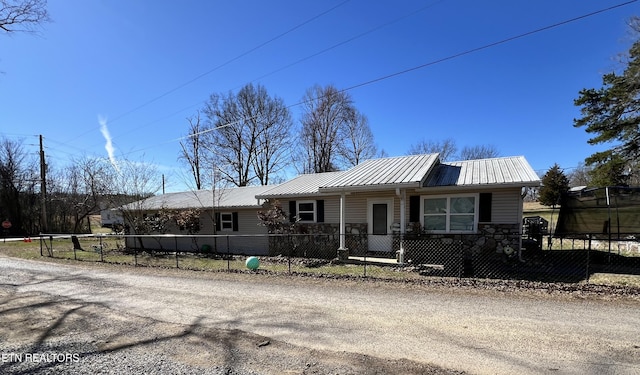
(358, 36)
(438, 61)
(249, 51)
(229, 61)
(376, 28)
(487, 46)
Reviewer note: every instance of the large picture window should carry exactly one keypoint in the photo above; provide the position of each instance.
(450, 214)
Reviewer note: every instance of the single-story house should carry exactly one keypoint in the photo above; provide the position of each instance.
(374, 206)
(475, 201)
(229, 213)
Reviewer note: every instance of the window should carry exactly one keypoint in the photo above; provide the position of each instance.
(307, 211)
(226, 221)
(450, 214)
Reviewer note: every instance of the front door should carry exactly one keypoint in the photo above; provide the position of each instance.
(380, 218)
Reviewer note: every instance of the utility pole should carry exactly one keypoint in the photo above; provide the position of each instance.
(43, 190)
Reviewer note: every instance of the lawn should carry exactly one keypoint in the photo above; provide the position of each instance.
(109, 249)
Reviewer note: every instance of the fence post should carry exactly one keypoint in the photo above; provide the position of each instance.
(461, 259)
(289, 248)
(175, 241)
(365, 264)
(74, 254)
(51, 243)
(588, 261)
(41, 244)
(228, 255)
(101, 249)
(135, 253)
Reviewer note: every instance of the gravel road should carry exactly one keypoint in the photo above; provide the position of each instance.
(109, 319)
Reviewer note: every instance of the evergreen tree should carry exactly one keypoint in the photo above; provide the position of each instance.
(554, 183)
(612, 115)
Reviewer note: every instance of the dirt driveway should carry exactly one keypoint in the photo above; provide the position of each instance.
(109, 319)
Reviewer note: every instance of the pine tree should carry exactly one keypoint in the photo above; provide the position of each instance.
(612, 115)
(554, 183)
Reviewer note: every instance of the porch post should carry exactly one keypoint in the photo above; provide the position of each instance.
(342, 250)
(342, 224)
(403, 224)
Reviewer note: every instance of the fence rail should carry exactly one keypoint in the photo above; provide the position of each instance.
(551, 260)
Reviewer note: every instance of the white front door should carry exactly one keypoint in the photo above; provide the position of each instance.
(380, 219)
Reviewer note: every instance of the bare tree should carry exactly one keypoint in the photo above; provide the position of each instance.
(327, 111)
(447, 148)
(273, 149)
(17, 186)
(192, 150)
(78, 193)
(22, 15)
(134, 181)
(479, 152)
(248, 134)
(358, 142)
(580, 176)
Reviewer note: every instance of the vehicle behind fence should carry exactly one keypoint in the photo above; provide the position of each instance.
(399, 257)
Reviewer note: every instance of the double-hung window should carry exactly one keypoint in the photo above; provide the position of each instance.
(226, 221)
(450, 213)
(307, 211)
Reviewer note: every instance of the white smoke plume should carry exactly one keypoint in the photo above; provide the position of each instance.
(109, 145)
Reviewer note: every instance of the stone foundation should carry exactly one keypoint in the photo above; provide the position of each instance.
(319, 240)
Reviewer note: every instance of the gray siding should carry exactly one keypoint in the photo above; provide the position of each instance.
(506, 207)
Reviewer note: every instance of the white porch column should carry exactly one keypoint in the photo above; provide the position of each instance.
(403, 224)
(342, 221)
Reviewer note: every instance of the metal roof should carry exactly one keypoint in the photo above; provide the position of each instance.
(414, 170)
(237, 197)
(303, 185)
(513, 170)
(385, 172)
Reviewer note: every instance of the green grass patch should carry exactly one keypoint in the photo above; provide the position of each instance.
(615, 279)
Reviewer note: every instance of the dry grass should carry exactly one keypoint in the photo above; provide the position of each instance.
(615, 279)
(63, 250)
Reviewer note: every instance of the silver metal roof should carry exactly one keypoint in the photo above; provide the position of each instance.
(513, 170)
(303, 185)
(414, 170)
(384, 172)
(237, 197)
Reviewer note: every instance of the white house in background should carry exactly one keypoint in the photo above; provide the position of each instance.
(110, 217)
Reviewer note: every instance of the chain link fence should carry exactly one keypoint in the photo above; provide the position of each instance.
(391, 257)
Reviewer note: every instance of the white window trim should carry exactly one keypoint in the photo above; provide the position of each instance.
(230, 221)
(476, 197)
(315, 211)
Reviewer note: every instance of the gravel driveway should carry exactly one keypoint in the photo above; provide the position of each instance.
(112, 319)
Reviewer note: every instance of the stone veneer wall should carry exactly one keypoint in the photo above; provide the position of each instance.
(318, 240)
(490, 239)
(322, 240)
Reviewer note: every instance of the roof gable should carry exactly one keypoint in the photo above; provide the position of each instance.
(302, 185)
(513, 170)
(385, 172)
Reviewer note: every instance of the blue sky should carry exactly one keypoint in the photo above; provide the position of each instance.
(145, 66)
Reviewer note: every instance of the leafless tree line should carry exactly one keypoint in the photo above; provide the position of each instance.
(248, 138)
(75, 191)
